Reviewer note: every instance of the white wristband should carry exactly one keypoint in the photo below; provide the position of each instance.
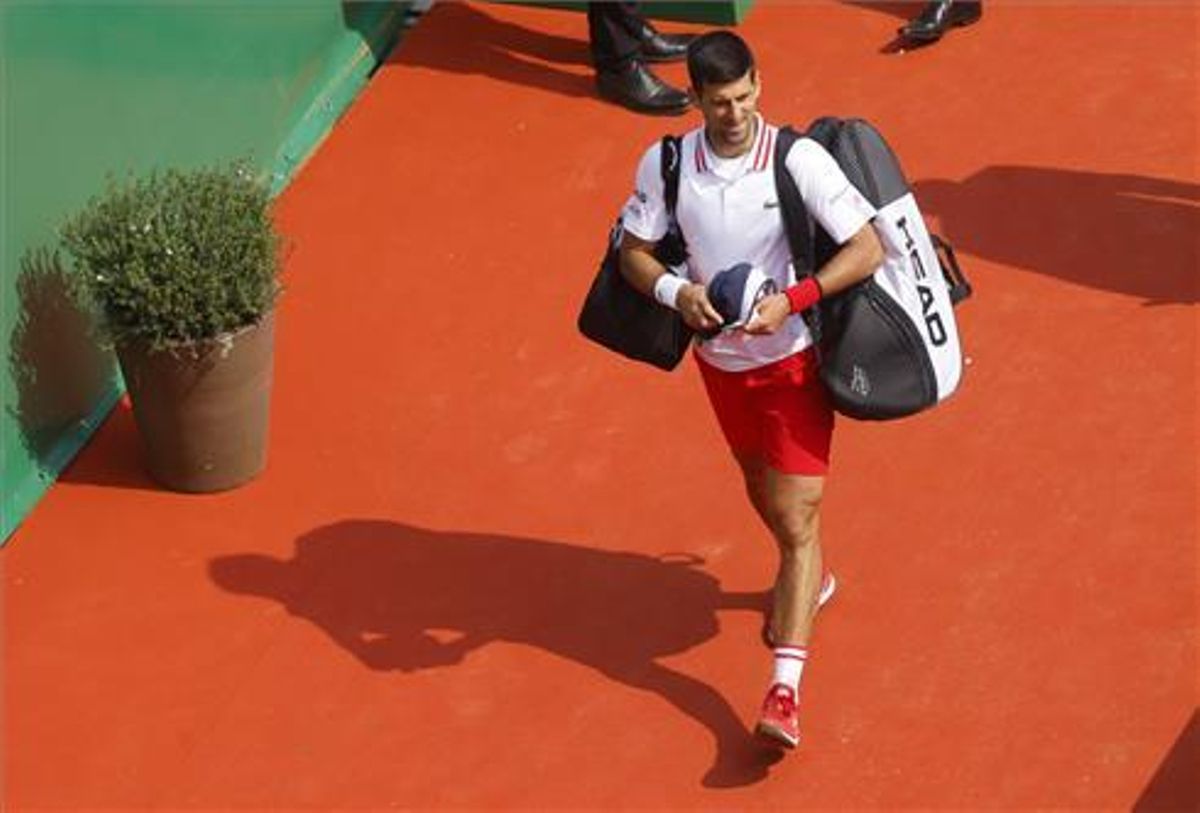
(667, 288)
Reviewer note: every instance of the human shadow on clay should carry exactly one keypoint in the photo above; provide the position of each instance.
(504, 51)
(403, 598)
(1129, 234)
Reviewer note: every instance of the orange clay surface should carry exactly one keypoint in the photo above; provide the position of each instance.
(492, 566)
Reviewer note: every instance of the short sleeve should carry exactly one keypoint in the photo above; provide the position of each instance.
(645, 213)
(828, 194)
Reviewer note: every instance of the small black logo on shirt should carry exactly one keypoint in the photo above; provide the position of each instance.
(770, 204)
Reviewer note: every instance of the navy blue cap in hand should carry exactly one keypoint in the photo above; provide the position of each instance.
(736, 291)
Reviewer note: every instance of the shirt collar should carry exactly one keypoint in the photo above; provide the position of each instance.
(756, 159)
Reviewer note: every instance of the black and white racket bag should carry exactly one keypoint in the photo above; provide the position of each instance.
(889, 346)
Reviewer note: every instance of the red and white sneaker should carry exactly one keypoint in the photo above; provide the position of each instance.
(779, 721)
(828, 588)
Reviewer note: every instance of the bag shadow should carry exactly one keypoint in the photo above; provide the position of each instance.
(1128, 234)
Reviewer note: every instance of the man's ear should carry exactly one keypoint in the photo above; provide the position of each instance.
(693, 97)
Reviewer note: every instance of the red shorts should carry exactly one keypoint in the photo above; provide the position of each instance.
(779, 412)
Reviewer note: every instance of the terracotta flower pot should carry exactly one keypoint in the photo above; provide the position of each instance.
(201, 408)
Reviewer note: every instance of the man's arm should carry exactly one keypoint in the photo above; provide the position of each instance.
(638, 265)
(856, 260)
(651, 278)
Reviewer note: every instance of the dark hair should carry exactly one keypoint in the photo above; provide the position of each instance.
(718, 58)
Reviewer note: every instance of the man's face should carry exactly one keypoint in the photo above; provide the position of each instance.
(728, 111)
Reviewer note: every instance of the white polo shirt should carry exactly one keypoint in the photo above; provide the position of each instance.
(729, 213)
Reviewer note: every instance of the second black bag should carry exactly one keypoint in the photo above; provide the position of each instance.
(616, 315)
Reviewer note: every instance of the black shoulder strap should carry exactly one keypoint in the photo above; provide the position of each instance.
(796, 222)
(672, 249)
(669, 159)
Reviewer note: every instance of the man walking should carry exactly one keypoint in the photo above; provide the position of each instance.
(760, 377)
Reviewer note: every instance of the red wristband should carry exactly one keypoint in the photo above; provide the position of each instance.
(804, 294)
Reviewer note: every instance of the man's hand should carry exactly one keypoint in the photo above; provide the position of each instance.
(693, 305)
(770, 314)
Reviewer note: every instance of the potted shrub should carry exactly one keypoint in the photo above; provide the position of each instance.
(182, 268)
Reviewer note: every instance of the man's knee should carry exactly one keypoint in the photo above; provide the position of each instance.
(794, 530)
(795, 514)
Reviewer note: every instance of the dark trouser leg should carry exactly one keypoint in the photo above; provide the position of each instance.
(610, 34)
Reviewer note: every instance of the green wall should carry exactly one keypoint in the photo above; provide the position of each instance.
(89, 89)
(722, 12)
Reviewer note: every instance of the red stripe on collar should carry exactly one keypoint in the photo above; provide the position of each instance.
(764, 155)
(760, 138)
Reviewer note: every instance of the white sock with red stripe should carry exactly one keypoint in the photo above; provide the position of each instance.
(789, 666)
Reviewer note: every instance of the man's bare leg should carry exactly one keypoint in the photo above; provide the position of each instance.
(789, 505)
(793, 503)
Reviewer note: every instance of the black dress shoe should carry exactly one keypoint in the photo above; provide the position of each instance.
(635, 87)
(656, 47)
(940, 15)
